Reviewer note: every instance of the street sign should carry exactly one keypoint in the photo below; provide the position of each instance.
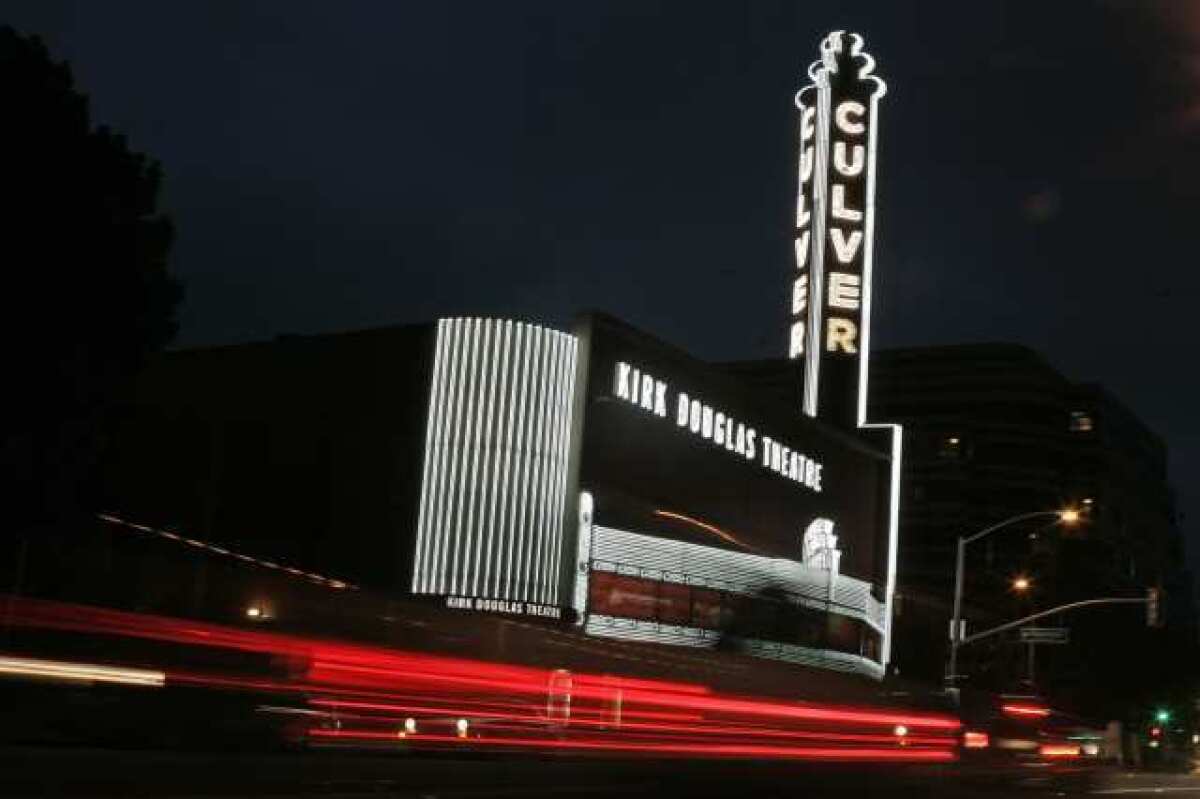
(962, 630)
(1154, 607)
(1045, 635)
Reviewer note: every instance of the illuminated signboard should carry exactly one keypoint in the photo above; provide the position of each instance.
(504, 606)
(834, 229)
(644, 391)
(678, 448)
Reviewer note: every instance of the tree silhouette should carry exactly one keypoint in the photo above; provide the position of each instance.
(87, 297)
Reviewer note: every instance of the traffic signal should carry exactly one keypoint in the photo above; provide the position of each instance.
(1153, 607)
(1162, 716)
(1156, 732)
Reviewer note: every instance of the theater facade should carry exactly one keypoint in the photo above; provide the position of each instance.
(593, 477)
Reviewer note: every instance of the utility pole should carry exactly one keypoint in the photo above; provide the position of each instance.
(957, 639)
(1041, 614)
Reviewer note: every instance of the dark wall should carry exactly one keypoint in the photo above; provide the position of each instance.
(306, 450)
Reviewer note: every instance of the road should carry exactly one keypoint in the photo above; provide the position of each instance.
(35, 772)
(1135, 784)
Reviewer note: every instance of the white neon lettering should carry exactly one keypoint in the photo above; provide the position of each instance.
(796, 346)
(806, 164)
(802, 250)
(842, 117)
(844, 290)
(840, 334)
(845, 250)
(621, 389)
(807, 124)
(853, 167)
(537, 484)
(800, 294)
(840, 211)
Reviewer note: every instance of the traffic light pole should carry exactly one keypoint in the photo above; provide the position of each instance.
(960, 562)
(1061, 608)
(956, 619)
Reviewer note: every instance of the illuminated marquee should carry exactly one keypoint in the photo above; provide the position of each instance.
(834, 224)
(652, 395)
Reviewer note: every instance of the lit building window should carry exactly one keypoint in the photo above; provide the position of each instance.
(1081, 422)
(950, 448)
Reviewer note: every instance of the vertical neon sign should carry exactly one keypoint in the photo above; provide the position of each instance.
(830, 326)
(835, 219)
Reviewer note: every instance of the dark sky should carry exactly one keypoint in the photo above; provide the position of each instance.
(350, 164)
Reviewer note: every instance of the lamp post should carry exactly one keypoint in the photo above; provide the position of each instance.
(1067, 516)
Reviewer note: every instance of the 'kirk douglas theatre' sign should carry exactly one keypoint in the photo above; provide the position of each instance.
(691, 415)
(834, 215)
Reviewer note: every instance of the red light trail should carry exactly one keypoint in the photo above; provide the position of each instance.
(681, 749)
(371, 694)
(1059, 751)
(1031, 711)
(976, 740)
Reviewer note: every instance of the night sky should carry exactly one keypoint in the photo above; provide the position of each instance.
(354, 164)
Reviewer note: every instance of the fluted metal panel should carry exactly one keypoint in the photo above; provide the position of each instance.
(493, 481)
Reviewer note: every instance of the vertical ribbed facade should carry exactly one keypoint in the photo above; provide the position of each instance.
(496, 445)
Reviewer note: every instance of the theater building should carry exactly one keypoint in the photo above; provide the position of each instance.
(594, 477)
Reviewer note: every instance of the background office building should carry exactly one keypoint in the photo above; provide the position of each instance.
(993, 431)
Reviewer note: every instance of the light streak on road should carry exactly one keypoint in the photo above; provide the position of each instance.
(79, 672)
(367, 695)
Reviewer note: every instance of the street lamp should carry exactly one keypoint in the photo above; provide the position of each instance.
(1065, 515)
(1020, 584)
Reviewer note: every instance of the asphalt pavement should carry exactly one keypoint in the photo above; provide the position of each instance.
(1149, 784)
(105, 773)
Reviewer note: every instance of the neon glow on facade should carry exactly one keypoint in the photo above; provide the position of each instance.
(494, 481)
